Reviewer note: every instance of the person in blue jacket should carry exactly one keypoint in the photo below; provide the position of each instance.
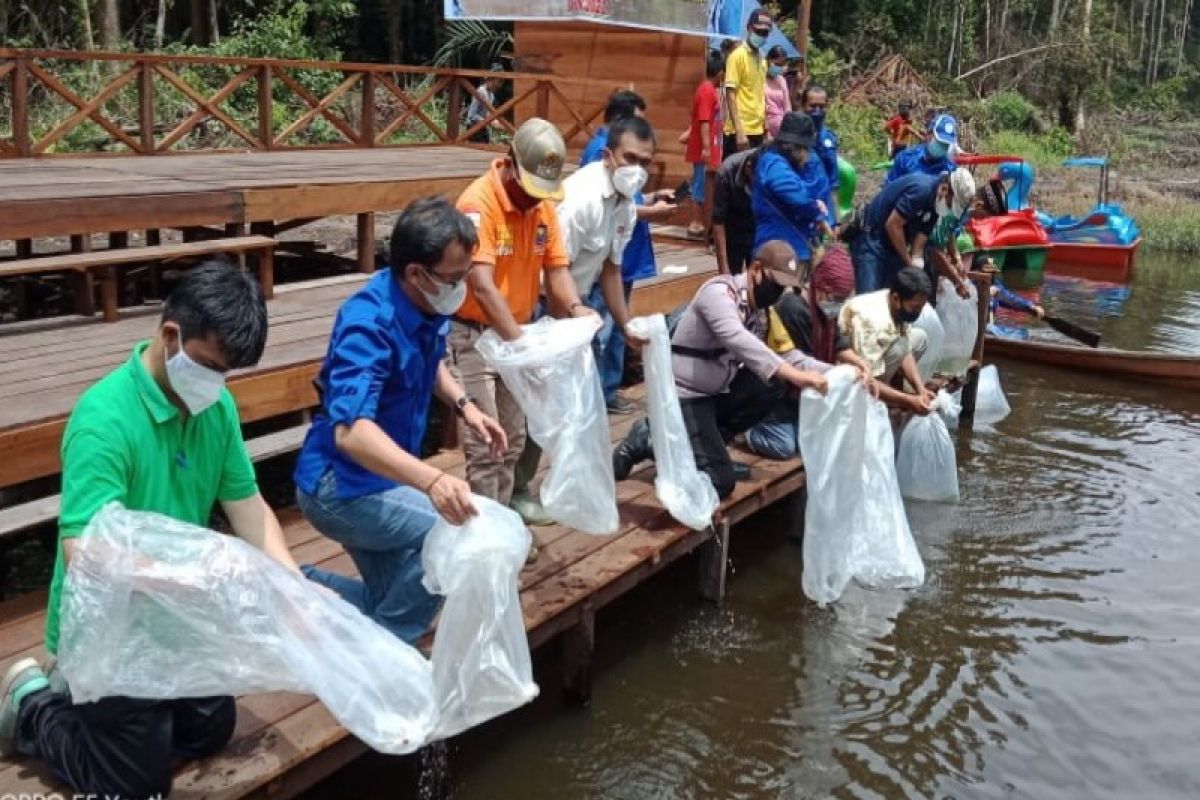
(814, 101)
(931, 157)
(638, 260)
(898, 222)
(789, 184)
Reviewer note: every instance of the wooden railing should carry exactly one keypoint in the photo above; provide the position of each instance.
(62, 102)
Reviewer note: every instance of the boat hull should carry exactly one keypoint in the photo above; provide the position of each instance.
(1108, 256)
(1181, 371)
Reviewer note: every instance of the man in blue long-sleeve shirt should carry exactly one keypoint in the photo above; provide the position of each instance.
(931, 157)
(814, 101)
(789, 184)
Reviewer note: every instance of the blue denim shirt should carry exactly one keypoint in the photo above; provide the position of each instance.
(785, 201)
(912, 161)
(637, 261)
(381, 365)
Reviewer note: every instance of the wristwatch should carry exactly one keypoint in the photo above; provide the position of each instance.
(460, 405)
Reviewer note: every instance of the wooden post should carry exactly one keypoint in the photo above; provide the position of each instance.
(543, 100)
(714, 555)
(20, 107)
(24, 248)
(266, 133)
(366, 242)
(266, 271)
(798, 505)
(118, 240)
(578, 648)
(154, 239)
(146, 107)
(803, 17)
(109, 294)
(983, 288)
(82, 284)
(366, 131)
(454, 111)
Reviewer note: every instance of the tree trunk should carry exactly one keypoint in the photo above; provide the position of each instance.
(953, 41)
(803, 16)
(1184, 24)
(110, 24)
(213, 26)
(1055, 12)
(1142, 39)
(160, 24)
(1085, 35)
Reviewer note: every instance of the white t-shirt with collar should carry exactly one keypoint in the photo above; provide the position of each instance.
(596, 223)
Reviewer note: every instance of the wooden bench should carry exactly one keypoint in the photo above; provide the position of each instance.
(107, 262)
(284, 743)
(26, 516)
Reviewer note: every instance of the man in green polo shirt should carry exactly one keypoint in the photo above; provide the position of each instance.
(159, 433)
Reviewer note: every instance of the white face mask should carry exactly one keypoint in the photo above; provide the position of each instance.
(628, 180)
(197, 386)
(448, 298)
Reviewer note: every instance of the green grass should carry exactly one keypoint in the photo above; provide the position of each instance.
(1172, 225)
(1040, 150)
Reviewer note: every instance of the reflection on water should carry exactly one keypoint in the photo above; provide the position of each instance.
(1052, 653)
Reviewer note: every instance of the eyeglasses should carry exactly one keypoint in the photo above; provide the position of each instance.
(439, 279)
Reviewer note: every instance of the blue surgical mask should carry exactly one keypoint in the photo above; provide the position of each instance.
(937, 149)
(756, 40)
(817, 115)
(774, 71)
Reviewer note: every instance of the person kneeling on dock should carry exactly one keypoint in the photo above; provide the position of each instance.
(727, 378)
(360, 479)
(159, 433)
(879, 328)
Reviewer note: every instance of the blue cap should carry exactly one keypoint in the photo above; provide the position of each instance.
(945, 129)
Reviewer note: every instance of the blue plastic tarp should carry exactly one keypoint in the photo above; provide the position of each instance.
(1087, 161)
(728, 19)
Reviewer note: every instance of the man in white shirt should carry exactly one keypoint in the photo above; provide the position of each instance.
(596, 216)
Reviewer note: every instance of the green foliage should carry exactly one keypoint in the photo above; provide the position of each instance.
(472, 38)
(860, 132)
(1166, 98)
(1010, 111)
(1040, 150)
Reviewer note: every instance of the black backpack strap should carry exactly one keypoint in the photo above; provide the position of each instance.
(711, 354)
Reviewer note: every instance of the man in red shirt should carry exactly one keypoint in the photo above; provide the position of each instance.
(900, 130)
(704, 138)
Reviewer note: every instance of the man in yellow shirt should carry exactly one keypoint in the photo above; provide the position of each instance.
(745, 87)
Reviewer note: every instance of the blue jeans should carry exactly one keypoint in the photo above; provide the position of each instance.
(773, 439)
(876, 262)
(612, 354)
(384, 534)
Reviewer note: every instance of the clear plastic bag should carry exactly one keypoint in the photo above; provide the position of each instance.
(481, 665)
(926, 466)
(991, 405)
(685, 491)
(935, 335)
(960, 319)
(552, 374)
(156, 608)
(855, 525)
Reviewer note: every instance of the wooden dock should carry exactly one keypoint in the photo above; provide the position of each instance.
(285, 743)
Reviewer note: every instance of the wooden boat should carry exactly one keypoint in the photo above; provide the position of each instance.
(1182, 371)
(1098, 256)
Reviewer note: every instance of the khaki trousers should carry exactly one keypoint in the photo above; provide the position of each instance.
(488, 476)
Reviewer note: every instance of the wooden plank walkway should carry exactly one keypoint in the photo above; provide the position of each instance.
(60, 197)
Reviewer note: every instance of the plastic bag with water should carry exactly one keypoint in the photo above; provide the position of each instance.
(685, 491)
(481, 665)
(991, 405)
(935, 335)
(552, 374)
(926, 466)
(960, 319)
(156, 608)
(855, 525)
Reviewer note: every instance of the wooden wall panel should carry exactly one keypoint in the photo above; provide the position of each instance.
(664, 68)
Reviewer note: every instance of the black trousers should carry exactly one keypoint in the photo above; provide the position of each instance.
(738, 249)
(729, 143)
(712, 421)
(120, 746)
(482, 136)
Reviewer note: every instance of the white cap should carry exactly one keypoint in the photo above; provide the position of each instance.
(962, 190)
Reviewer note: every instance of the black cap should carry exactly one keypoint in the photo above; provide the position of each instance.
(796, 128)
(760, 16)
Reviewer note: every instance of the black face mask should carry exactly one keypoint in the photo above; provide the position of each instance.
(904, 315)
(766, 293)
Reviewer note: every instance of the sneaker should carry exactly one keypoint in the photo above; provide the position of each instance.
(618, 405)
(22, 679)
(530, 509)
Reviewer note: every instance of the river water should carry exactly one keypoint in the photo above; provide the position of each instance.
(1053, 652)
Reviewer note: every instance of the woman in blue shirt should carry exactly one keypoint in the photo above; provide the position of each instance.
(789, 182)
(360, 479)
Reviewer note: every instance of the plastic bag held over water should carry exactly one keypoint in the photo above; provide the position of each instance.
(855, 526)
(935, 334)
(685, 491)
(552, 374)
(926, 466)
(991, 405)
(960, 319)
(481, 666)
(157, 608)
